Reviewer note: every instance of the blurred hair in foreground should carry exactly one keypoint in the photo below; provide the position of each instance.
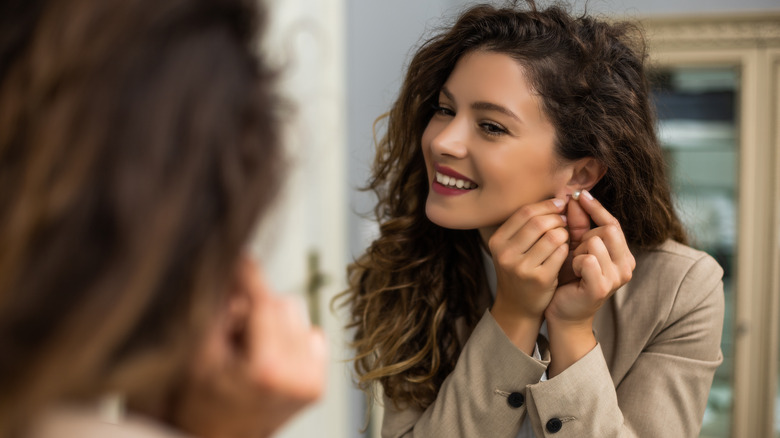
(139, 145)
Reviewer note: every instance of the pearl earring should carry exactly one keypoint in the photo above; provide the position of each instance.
(576, 195)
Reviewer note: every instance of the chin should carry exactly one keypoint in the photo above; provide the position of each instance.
(452, 225)
(455, 221)
(451, 221)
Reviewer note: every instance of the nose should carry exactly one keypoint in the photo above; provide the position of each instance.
(451, 140)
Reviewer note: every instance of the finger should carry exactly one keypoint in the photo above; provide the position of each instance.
(319, 345)
(556, 259)
(526, 237)
(302, 310)
(578, 222)
(612, 236)
(614, 240)
(546, 245)
(293, 312)
(566, 273)
(595, 210)
(310, 368)
(521, 217)
(587, 267)
(597, 248)
(623, 260)
(277, 333)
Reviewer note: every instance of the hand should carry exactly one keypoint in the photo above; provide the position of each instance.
(601, 262)
(578, 223)
(528, 251)
(260, 365)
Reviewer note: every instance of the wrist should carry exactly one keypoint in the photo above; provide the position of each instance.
(569, 341)
(522, 330)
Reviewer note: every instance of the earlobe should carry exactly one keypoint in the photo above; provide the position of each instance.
(586, 173)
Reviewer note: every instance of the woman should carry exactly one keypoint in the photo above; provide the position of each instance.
(139, 145)
(531, 276)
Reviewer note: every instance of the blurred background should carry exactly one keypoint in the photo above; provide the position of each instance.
(716, 84)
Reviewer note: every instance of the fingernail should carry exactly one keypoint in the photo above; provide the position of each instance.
(587, 195)
(558, 202)
(565, 219)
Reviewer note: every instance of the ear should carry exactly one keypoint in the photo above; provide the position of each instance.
(226, 336)
(586, 172)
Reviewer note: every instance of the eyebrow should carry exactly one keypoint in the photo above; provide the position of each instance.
(489, 106)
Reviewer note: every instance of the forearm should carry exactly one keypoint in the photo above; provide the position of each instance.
(521, 331)
(569, 342)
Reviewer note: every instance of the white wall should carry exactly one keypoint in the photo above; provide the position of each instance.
(305, 40)
(668, 7)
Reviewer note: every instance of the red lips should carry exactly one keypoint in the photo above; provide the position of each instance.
(447, 190)
(449, 172)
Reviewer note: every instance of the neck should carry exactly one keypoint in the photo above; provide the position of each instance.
(484, 236)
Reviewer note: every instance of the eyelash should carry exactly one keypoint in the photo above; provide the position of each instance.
(491, 129)
(438, 109)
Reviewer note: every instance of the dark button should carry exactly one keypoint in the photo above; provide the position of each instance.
(554, 425)
(515, 399)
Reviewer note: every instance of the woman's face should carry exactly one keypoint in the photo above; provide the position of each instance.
(489, 149)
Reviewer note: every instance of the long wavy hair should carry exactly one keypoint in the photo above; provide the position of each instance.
(139, 145)
(417, 280)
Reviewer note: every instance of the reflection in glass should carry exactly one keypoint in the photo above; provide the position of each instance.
(697, 113)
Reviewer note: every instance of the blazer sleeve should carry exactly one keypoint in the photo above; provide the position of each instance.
(665, 391)
(483, 396)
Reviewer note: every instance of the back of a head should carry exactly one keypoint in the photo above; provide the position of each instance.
(138, 146)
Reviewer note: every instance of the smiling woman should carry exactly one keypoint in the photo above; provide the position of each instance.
(488, 130)
(531, 274)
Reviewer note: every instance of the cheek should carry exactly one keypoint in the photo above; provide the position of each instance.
(525, 178)
(428, 135)
(561, 181)
(425, 143)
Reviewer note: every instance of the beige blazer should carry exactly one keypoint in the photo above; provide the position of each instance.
(73, 421)
(649, 376)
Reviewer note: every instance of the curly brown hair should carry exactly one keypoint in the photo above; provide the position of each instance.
(417, 279)
(139, 144)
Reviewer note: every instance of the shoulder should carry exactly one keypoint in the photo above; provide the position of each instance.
(678, 274)
(85, 422)
(673, 261)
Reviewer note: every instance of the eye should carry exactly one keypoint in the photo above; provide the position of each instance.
(442, 111)
(492, 128)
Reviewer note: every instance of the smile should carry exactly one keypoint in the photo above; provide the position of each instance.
(450, 181)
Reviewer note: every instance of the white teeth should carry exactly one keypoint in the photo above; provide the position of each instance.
(449, 181)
